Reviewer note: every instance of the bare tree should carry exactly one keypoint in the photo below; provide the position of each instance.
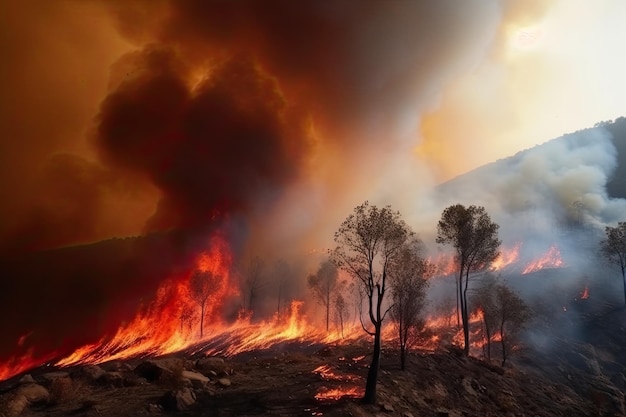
(282, 275)
(252, 282)
(367, 242)
(341, 311)
(408, 272)
(513, 313)
(485, 300)
(475, 239)
(324, 284)
(613, 247)
(186, 316)
(201, 285)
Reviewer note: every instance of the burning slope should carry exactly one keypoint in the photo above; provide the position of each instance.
(172, 321)
(551, 259)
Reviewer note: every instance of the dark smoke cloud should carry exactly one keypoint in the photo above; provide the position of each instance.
(210, 149)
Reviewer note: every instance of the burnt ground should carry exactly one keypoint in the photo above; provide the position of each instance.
(284, 383)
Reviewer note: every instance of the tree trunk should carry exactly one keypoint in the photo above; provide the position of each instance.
(372, 374)
(327, 312)
(624, 280)
(465, 318)
(202, 320)
(503, 345)
(458, 297)
(402, 356)
(488, 342)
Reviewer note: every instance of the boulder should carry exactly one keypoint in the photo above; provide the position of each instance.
(26, 379)
(197, 380)
(178, 400)
(34, 393)
(24, 396)
(210, 365)
(91, 372)
(51, 376)
(223, 382)
(113, 378)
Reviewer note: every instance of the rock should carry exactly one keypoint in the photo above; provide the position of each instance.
(224, 382)
(91, 372)
(178, 400)
(113, 378)
(387, 407)
(24, 396)
(51, 376)
(14, 405)
(153, 371)
(210, 365)
(197, 380)
(34, 393)
(26, 379)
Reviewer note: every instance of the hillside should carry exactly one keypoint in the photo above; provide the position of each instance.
(300, 381)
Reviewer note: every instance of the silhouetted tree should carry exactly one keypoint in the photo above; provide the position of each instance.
(470, 231)
(201, 286)
(252, 282)
(512, 315)
(324, 284)
(408, 272)
(485, 300)
(341, 311)
(367, 242)
(613, 247)
(282, 274)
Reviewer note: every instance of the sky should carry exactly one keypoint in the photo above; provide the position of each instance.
(123, 117)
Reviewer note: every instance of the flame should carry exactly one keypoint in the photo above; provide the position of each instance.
(507, 257)
(585, 293)
(334, 394)
(351, 385)
(160, 329)
(21, 363)
(551, 259)
(446, 265)
(171, 323)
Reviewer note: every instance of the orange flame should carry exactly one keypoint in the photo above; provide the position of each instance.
(551, 259)
(507, 257)
(585, 294)
(160, 329)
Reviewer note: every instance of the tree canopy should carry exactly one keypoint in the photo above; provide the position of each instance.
(367, 242)
(613, 247)
(474, 237)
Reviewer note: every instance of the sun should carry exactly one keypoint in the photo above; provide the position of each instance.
(526, 38)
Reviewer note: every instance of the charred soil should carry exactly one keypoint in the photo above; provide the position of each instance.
(305, 381)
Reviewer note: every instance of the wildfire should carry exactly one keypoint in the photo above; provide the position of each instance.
(353, 390)
(175, 320)
(551, 259)
(170, 323)
(585, 293)
(507, 257)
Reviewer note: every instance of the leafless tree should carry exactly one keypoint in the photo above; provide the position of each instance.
(252, 282)
(485, 300)
(341, 311)
(613, 247)
(201, 285)
(186, 316)
(513, 314)
(408, 272)
(367, 242)
(475, 239)
(324, 284)
(282, 276)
